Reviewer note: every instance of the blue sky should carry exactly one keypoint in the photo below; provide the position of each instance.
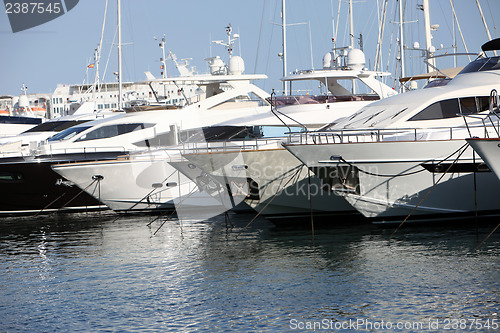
(60, 50)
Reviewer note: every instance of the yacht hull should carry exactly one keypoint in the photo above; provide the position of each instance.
(145, 185)
(388, 181)
(278, 184)
(489, 150)
(31, 187)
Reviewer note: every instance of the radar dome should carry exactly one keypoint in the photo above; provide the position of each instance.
(356, 59)
(328, 59)
(216, 65)
(23, 101)
(236, 65)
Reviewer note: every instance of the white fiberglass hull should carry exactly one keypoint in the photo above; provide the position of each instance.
(277, 184)
(393, 179)
(489, 150)
(136, 185)
(9, 129)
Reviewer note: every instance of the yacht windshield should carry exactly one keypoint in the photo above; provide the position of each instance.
(482, 64)
(217, 133)
(68, 133)
(110, 131)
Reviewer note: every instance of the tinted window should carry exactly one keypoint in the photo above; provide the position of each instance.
(482, 64)
(468, 105)
(483, 103)
(437, 83)
(453, 108)
(55, 126)
(471, 105)
(439, 110)
(218, 133)
(10, 176)
(112, 131)
(68, 133)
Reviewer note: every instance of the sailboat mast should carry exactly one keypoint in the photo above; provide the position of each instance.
(99, 49)
(119, 57)
(378, 55)
(431, 65)
(97, 59)
(351, 46)
(484, 23)
(283, 22)
(351, 25)
(401, 40)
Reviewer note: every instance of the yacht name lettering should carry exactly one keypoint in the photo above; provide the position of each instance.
(21, 7)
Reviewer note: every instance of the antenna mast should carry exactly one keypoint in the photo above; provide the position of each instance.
(351, 26)
(431, 65)
(230, 40)
(283, 22)
(119, 57)
(401, 42)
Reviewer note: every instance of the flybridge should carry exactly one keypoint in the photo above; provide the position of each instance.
(208, 78)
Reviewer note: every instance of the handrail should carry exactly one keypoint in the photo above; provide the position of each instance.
(62, 151)
(397, 134)
(494, 103)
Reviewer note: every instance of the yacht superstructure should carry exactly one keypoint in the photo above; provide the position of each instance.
(225, 96)
(406, 155)
(297, 112)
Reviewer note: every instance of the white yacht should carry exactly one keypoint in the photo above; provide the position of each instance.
(20, 113)
(29, 141)
(265, 171)
(138, 192)
(406, 156)
(228, 95)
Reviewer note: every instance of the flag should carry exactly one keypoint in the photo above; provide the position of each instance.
(90, 66)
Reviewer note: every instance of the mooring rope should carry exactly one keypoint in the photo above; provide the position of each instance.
(398, 175)
(67, 203)
(173, 212)
(310, 203)
(299, 168)
(430, 190)
(143, 198)
(487, 237)
(41, 210)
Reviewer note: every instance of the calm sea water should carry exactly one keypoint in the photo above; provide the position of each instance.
(90, 273)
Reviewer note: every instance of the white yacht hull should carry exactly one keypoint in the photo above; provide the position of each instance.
(489, 150)
(130, 185)
(391, 181)
(278, 184)
(146, 183)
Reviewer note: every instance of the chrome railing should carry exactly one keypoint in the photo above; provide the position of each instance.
(398, 134)
(234, 145)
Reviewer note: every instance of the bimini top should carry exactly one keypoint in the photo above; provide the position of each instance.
(492, 45)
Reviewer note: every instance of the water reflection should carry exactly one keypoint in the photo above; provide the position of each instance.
(93, 273)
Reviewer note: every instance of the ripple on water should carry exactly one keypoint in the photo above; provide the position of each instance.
(92, 274)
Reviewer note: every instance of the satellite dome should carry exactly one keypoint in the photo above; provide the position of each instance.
(328, 60)
(216, 65)
(23, 101)
(356, 59)
(236, 65)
